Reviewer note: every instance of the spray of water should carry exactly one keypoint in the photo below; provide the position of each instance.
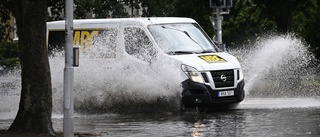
(277, 66)
(9, 93)
(119, 84)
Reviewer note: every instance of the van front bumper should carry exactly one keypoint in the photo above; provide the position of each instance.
(197, 94)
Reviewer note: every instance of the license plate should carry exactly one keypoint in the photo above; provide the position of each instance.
(226, 93)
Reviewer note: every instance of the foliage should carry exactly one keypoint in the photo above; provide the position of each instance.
(100, 8)
(85, 8)
(5, 21)
(56, 10)
(157, 8)
(9, 54)
(248, 19)
(245, 22)
(305, 22)
(198, 10)
(108, 9)
(252, 18)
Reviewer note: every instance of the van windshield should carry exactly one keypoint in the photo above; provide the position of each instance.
(183, 38)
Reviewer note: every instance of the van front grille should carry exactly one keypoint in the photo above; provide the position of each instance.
(223, 78)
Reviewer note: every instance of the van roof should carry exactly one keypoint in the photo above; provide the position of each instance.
(144, 21)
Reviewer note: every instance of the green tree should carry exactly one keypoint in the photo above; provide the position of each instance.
(56, 10)
(305, 20)
(281, 11)
(9, 55)
(83, 8)
(250, 18)
(5, 21)
(157, 8)
(198, 10)
(8, 50)
(245, 22)
(35, 107)
(109, 9)
(133, 4)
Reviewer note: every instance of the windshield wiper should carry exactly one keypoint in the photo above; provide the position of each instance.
(181, 52)
(189, 52)
(207, 51)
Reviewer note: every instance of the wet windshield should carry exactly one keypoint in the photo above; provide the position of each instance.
(182, 38)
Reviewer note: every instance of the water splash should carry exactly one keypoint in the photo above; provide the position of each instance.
(9, 93)
(277, 66)
(119, 85)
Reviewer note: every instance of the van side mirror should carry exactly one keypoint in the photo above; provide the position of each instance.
(224, 47)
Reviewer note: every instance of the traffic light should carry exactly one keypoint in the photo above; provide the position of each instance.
(221, 4)
(229, 3)
(217, 3)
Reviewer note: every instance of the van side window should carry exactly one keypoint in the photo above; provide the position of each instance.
(138, 44)
(56, 41)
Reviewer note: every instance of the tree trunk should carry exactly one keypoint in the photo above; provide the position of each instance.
(34, 114)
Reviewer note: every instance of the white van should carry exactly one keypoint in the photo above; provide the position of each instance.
(210, 77)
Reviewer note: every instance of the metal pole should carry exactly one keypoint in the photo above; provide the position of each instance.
(68, 98)
(219, 27)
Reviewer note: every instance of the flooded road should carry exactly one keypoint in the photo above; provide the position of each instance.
(285, 117)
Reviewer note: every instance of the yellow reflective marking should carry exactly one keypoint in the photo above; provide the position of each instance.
(76, 38)
(84, 38)
(212, 58)
(84, 41)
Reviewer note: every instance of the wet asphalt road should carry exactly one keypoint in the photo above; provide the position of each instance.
(255, 117)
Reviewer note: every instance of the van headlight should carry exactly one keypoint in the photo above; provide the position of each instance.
(192, 73)
(240, 75)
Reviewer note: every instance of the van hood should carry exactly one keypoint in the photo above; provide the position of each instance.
(209, 61)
